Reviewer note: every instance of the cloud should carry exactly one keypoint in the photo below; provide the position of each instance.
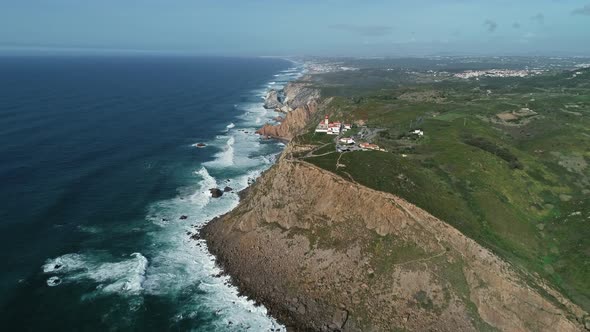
(582, 11)
(539, 18)
(516, 25)
(364, 30)
(491, 25)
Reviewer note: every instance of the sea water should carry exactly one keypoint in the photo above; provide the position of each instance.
(99, 161)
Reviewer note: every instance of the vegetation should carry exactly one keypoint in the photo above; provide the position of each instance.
(520, 188)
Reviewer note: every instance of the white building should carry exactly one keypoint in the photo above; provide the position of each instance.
(347, 140)
(330, 128)
(323, 126)
(418, 132)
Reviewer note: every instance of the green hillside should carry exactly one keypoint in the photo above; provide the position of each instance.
(504, 160)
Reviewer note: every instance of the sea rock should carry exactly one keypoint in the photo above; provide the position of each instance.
(216, 192)
(200, 145)
(272, 100)
(183, 217)
(227, 189)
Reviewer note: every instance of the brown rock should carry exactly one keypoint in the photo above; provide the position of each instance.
(216, 192)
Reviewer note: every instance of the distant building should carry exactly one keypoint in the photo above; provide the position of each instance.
(334, 128)
(369, 146)
(323, 126)
(330, 128)
(418, 132)
(347, 140)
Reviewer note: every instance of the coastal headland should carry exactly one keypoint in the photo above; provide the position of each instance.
(325, 253)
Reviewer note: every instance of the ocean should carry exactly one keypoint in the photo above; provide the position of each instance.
(98, 163)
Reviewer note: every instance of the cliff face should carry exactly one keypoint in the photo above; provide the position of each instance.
(299, 93)
(323, 253)
(272, 100)
(292, 124)
(300, 104)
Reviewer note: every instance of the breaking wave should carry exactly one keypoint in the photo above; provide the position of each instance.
(176, 267)
(123, 277)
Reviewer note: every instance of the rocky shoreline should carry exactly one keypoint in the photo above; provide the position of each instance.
(318, 262)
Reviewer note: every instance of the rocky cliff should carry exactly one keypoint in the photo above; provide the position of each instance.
(292, 124)
(301, 103)
(300, 92)
(272, 100)
(323, 253)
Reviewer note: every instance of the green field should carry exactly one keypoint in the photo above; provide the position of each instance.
(521, 188)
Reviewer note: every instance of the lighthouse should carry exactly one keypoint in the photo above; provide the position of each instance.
(326, 120)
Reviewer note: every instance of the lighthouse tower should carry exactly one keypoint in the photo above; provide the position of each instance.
(326, 120)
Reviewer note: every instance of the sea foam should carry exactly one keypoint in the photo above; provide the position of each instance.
(124, 276)
(176, 267)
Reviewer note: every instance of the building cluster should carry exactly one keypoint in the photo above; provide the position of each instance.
(325, 67)
(370, 146)
(332, 128)
(497, 73)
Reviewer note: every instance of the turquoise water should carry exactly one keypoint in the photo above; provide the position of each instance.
(98, 163)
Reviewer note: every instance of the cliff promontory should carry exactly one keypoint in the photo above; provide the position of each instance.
(292, 124)
(272, 100)
(299, 93)
(300, 105)
(323, 253)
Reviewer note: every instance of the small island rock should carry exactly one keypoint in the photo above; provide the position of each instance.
(216, 192)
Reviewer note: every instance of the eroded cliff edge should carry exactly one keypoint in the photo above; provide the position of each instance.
(302, 102)
(323, 253)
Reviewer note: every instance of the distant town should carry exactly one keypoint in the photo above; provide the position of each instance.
(497, 73)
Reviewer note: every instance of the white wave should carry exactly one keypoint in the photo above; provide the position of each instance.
(202, 196)
(181, 269)
(64, 264)
(225, 158)
(123, 277)
(53, 281)
(230, 126)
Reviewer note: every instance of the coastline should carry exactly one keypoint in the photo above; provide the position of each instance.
(220, 276)
(266, 246)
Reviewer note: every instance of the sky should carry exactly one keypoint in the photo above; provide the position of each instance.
(300, 27)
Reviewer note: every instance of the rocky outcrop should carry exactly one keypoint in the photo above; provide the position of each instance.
(323, 253)
(272, 100)
(300, 104)
(299, 93)
(284, 109)
(292, 124)
(216, 192)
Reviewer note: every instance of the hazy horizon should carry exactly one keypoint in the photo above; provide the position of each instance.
(296, 28)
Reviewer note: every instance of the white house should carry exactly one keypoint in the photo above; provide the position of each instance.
(418, 132)
(347, 140)
(330, 128)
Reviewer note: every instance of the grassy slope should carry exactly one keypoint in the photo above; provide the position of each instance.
(537, 217)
